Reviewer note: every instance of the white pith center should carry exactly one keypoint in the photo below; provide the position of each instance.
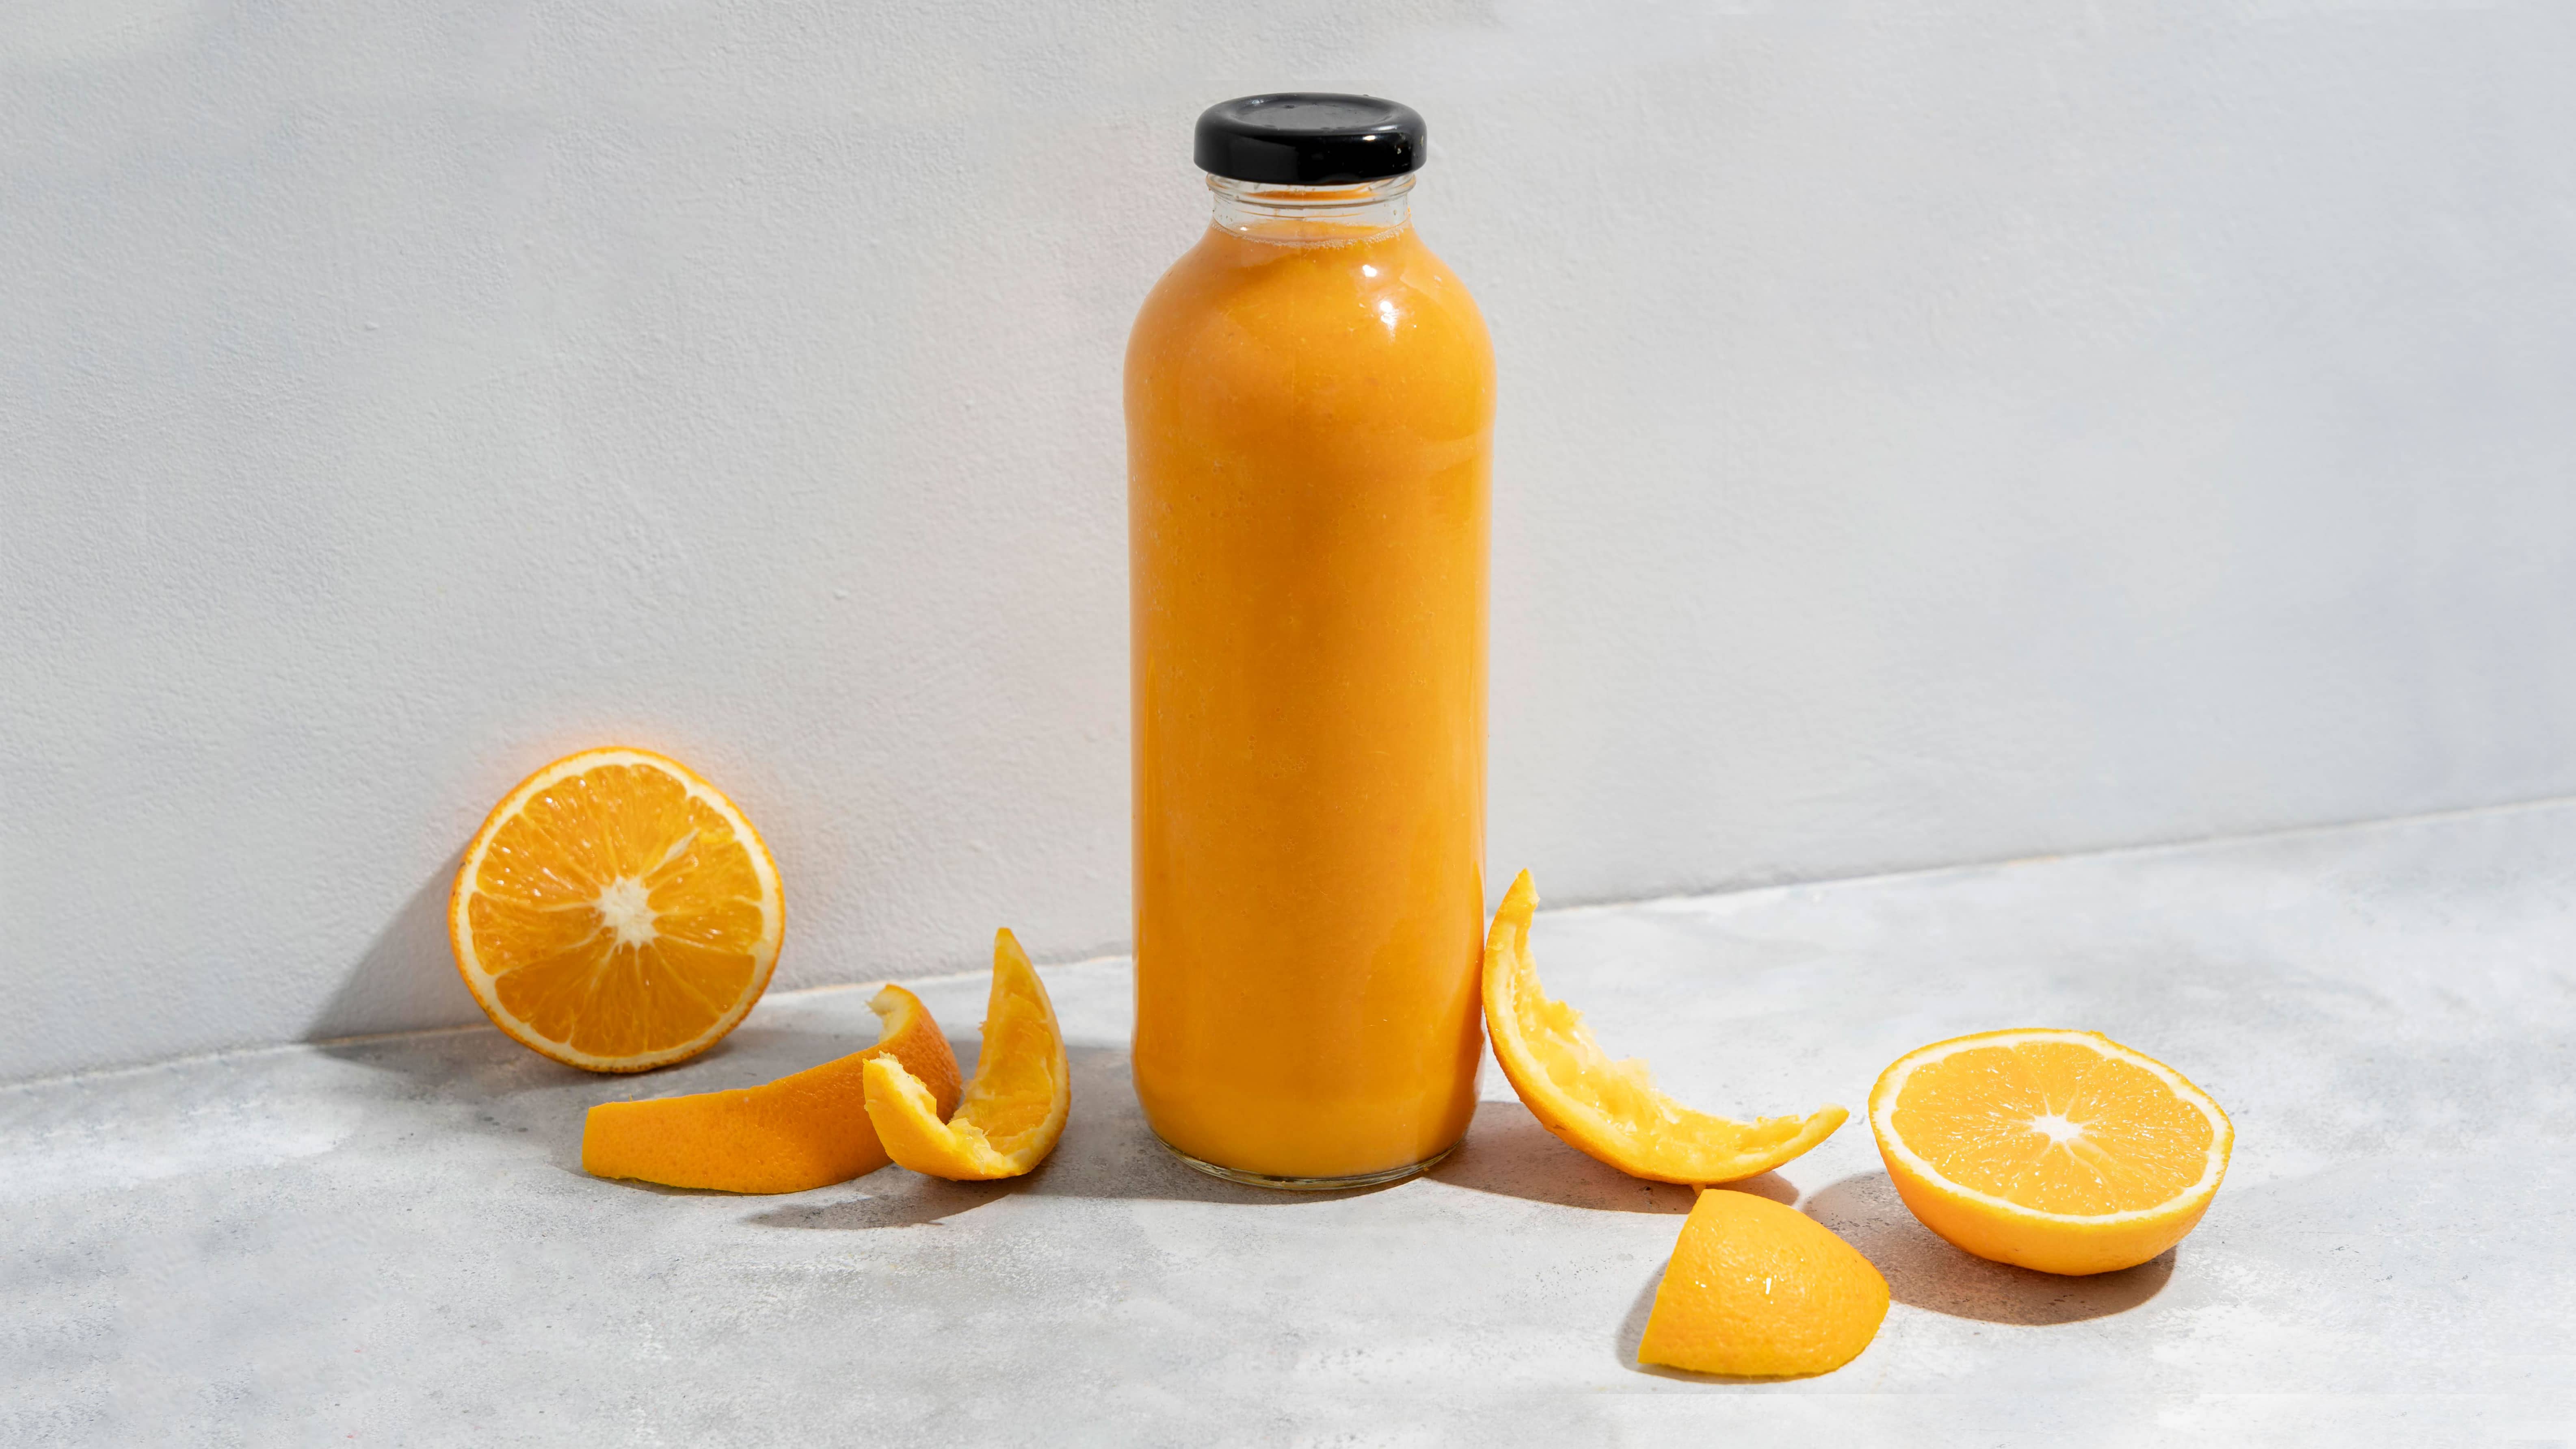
(2056, 1128)
(624, 909)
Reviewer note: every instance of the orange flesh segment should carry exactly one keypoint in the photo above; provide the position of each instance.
(1611, 1109)
(1011, 1114)
(803, 1131)
(2054, 1127)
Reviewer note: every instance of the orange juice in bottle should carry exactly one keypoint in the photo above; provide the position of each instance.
(1309, 427)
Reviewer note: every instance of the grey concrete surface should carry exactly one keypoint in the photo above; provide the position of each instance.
(390, 1241)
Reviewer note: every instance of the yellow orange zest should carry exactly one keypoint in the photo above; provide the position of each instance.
(1012, 1112)
(1756, 1288)
(616, 912)
(1607, 1108)
(2057, 1150)
(802, 1131)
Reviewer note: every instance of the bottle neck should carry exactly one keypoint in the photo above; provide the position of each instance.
(1312, 215)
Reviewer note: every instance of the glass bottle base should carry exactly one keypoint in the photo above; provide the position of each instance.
(1312, 1184)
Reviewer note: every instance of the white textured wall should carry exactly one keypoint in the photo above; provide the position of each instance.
(1928, 433)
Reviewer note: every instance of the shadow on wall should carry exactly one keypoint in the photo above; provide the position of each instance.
(1925, 1272)
(406, 979)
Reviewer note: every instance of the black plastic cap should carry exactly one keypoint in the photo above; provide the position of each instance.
(1302, 138)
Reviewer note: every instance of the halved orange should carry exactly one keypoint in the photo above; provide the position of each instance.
(802, 1131)
(1012, 1112)
(2057, 1150)
(1607, 1108)
(616, 912)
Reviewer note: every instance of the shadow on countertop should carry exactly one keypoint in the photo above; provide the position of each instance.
(1925, 1272)
(900, 1199)
(481, 1081)
(1509, 1154)
(1107, 1152)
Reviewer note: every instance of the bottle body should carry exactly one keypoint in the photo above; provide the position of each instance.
(1309, 420)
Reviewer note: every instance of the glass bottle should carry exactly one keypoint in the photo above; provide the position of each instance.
(1309, 397)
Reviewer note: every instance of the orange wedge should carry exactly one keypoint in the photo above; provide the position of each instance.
(1611, 1109)
(2057, 1150)
(616, 912)
(802, 1131)
(1012, 1112)
(1760, 1289)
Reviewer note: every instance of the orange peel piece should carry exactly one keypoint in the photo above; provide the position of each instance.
(1610, 1109)
(1756, 1288)
(1012, 1112)
(803, 1131)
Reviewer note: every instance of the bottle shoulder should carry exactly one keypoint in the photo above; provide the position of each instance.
(1277, 348)
(1380, 295)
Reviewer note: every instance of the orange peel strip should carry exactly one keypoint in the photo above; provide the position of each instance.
(803, 1131)
(1015, 1108)
(1611, 1109)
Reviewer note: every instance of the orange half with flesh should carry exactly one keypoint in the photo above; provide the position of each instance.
(616, 912)
(2057, 1150)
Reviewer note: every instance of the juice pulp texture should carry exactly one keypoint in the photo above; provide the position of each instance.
(1309, 432)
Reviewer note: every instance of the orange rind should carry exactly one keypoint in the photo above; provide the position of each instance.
(1762, 1290)
(1012, 1112)
(803, 1131)
(1607, 1108)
